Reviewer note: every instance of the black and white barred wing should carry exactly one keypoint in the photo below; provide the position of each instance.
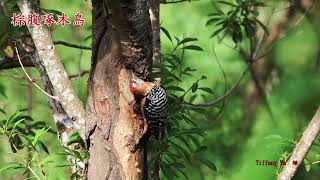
(156, 108)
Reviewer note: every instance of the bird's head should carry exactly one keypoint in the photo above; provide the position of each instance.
(138, 87)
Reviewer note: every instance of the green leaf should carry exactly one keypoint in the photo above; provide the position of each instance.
(187, 69)
(180, 149)
(13, 118)
(237, 35)
(65, 165)
(227, 3)
(38, 134)
(75, 175)
(188, 120)
(185, 40)
(259, 4)
(192, 98)
(183, 173)
(74, 138)
(201, 149)
(203, 77)
(193, 47)
(185, 142)
(15, 125)
(212, 21)
(206, 89)
(11, 165)
(194, 140)
(265, 28)
(40, 146)
(210, 165)
(2, 111)
(2, 91)
(87, 38)
(195, 87)
(249, 28)
(307, 165)
(166, 32)
(167, 170)
(16, 142)
(215, 33)
(174, 88)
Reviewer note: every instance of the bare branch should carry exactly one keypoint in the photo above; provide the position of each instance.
(80, 74)
(11, 63)
(174, 2)
(227, 94)
(302, 148)
(58, 77)
(65, 43)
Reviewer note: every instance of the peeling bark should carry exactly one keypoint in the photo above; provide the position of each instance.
(122, 43)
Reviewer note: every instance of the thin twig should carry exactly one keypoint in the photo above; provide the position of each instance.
(227, 94)
(80, 74)
(225, 81)
(30, 79)
(174, 2)
(71, 45)
(304, 14)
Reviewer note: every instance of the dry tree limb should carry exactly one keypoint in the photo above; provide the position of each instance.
(58, 77)
(302, 148)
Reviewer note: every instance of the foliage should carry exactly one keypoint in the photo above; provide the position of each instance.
(240, 19)
(23, 133)
(180, 144)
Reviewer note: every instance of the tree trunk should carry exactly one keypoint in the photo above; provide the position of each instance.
(122, 43)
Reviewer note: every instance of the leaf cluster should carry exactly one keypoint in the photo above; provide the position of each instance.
(180, 143)
(239, 21)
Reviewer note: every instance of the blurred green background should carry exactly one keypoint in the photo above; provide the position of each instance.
(244, 132)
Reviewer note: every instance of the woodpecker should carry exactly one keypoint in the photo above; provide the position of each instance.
(153, 105)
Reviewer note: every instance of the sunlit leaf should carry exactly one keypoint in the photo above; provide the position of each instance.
(206, 89)
(38, 134)
(174, 88)
(193, 47)
(185, 40)
(166, 32)
(210, 165)
(307, 165)
(11, 165)
(195, 87)
(74, 138)
(264, 27)
(227, 3)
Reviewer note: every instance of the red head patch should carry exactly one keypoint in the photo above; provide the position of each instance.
(132, 87)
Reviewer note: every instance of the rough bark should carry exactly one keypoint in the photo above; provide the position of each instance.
(121, 43)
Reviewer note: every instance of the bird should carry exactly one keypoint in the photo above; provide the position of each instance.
(153, 106)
